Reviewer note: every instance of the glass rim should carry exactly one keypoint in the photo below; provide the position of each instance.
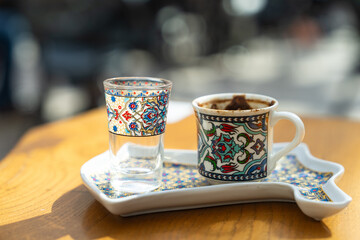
(108, 83)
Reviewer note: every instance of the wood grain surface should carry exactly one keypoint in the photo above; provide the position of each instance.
(42, 195)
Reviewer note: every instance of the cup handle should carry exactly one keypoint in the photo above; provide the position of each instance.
(299, 135)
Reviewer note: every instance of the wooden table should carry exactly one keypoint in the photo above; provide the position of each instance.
(42, 195)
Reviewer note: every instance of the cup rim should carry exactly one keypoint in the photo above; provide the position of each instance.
(108, 83)
(206, 98)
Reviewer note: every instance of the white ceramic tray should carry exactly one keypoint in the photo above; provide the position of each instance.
(299, 177)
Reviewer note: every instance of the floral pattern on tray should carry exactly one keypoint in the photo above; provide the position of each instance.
(176, 176)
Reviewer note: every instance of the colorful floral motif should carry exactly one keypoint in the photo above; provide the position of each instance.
(232, 148)
(224, 147)
(176, 176)
(137, 116)
(133, 106)
(149, 115)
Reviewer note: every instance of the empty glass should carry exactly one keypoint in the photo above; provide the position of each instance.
(136, 108)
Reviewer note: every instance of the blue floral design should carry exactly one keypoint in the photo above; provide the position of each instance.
(137, 116)
(133, 126)
(163, 99)
(133, 105)
(150, 115)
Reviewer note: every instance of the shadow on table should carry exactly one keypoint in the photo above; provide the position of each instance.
(78, 215)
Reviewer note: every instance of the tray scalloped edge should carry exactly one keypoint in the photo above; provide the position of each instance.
(223, 194)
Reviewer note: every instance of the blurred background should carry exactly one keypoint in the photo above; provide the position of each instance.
(54, 55)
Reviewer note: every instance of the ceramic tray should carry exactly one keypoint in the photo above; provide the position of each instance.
(299, 177)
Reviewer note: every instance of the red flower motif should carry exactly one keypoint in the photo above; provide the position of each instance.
(227, 128)
(116, 114)
(228, 168)
(127, 115)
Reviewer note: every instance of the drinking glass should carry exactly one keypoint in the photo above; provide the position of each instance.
(136, 109)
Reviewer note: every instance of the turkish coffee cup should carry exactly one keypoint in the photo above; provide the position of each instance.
(235, 136)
